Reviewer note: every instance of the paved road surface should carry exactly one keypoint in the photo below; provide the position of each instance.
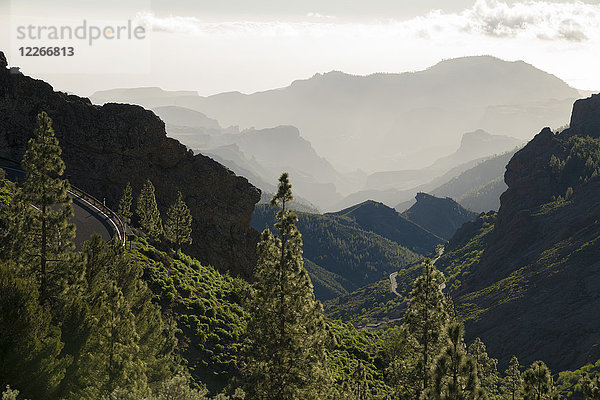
(394, 284)
(87, 218)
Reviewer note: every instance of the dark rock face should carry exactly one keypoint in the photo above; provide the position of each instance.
(441, 216)
(536, 286)
(106, 147)
(585, 120)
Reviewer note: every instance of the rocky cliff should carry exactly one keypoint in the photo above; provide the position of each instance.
(534, 291)
(104, 147)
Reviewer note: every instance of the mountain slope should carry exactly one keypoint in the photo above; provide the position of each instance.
(536, 279)
(349, 255)
(474, 147)
(106, 147)
(439, 216)
(385, 221)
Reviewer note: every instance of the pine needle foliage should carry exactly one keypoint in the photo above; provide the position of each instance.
(286, 332)
(48, 205)
(178, 227)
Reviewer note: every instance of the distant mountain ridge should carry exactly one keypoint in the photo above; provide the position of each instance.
(476, 145)
(381, 113)
(478, 188)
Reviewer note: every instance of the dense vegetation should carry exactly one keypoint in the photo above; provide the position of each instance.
(145, 321)
(342, 248)
(385, 221)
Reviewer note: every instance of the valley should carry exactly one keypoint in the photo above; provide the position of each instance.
(345, 231)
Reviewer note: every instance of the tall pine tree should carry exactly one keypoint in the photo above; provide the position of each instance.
(30, 346)
(538, 383)
(455, 372)
(48, 232)
(113, 331)
(426, 317)
(512, 382)
(125, 204)
(487, 368)
(285, 357)
(178, 228)
(147, 211)
(590, 386)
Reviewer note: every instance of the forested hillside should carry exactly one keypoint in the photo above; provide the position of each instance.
(340, 251)
(138, 318)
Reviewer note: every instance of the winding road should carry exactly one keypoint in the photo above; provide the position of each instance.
(88, 218)
(394, 284)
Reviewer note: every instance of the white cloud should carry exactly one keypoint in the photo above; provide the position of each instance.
(320, 16)
(544, 20)
(571, 22)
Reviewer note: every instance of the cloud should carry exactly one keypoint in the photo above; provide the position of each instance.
(542, 20)
(320, 16)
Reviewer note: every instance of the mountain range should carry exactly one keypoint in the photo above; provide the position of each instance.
(524, 279)
(395, 121)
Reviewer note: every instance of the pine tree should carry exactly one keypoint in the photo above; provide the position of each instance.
(148, 213)
(13, 246)
(512, 382)
(125, 204)
(400, 354)
(110, 357)
(538, 383)
(455, 372)
(590, 387)
(286, 330)
(426, 317)
(113, 331)
(49, 233)
(178, 228)
(487, 368)
(30, 345)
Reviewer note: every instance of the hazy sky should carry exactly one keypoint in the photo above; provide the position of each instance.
(215, 46)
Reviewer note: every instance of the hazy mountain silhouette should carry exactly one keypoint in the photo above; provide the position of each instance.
(261, 156)
(146, 95)
(480, 187)
(184, 117)
(402, 198)
(474, 146)
(392, 121)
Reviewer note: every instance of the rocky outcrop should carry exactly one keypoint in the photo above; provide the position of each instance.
(585, 120)
(534, 291)
(104, 147)
(441, 216)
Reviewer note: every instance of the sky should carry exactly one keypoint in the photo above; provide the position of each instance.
(227, 45)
